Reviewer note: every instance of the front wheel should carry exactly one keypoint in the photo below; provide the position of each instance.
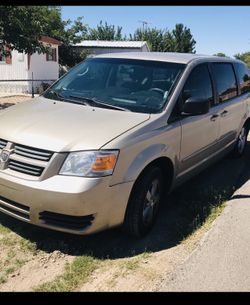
(241, 143)
(144, 202)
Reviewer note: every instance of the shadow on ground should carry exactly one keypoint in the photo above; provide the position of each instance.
(5, 105)
(185, 210)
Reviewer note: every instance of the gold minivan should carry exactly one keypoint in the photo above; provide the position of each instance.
(102, 146)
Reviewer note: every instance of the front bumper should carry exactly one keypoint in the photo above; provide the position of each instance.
(70, 204)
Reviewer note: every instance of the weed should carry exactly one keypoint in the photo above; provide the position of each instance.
(74, 275)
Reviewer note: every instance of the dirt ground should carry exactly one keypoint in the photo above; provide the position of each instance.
(12, 100)
(31, 256)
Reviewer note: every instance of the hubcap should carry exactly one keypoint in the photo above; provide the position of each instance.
(151, 201)
(242, 140)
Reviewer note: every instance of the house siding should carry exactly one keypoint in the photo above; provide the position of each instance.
(18, 69)
(43, 69)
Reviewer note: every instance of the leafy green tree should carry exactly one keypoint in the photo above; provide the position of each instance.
(244, 57)
(180, 40)
(21, 28)
(105, 32)
(153, 36)
(70, 56)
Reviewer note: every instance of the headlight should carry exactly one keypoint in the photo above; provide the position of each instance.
(90, 163)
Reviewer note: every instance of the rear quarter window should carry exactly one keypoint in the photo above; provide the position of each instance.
(225, 81)
(243, 74)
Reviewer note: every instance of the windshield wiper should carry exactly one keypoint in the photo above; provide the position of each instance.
(80, 102)
(56, 94)
(97, 102)
(62, 98)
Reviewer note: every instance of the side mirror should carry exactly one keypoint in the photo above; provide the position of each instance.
(196, 106)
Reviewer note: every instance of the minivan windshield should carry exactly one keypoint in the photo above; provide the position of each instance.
(121, 84)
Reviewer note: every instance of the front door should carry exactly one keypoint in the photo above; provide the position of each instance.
(199, 132)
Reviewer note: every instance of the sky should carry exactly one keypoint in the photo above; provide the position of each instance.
(215, 28)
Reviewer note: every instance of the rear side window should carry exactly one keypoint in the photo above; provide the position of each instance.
(225, 81)
(244, 77)
(198, 85)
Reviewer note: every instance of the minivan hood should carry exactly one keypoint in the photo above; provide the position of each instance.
(61, 126)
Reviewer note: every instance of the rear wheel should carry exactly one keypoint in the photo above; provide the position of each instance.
(144, 202)
(241, 143)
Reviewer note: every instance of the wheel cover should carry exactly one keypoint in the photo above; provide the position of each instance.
(151, 202)
(242, 140)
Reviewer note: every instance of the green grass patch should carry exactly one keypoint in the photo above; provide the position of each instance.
(3, 279)
(4, 230)
(134, 263)
(75, 274)
(131, 264)
(8, 241)
(27, 245)
(18, 251)
(10, 265)
(15, 241)
(214, 213)
(200, 209)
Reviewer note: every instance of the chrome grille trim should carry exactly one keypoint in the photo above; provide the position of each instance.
(3, 143)
(28, 161)
(25, 168)
(33, 153)
(25, 159)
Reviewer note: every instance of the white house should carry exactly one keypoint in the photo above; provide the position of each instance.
(102, 46)
(20, 66)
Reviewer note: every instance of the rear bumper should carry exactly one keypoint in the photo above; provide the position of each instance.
(70, 204)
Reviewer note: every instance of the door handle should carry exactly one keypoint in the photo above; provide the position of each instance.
(214, 117)
(224, 113)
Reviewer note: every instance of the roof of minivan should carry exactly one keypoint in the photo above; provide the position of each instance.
(182, 58)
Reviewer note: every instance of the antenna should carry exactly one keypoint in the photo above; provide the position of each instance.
(144, 23)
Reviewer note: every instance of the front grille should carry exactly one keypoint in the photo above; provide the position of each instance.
(3, 143)
(33, 153)
(27, 160)
(66, 221)
(13, 208)
(25, 168)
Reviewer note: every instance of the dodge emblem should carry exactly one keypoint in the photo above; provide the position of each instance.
(4, 158)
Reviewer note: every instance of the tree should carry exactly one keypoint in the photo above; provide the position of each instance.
(21, 28)
(105, 32)
(153, 36)
(244, 57)
(180, 40)
(69, 56)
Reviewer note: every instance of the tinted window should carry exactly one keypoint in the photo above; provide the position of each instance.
(198, 84)
(244, 77)
(225, 81)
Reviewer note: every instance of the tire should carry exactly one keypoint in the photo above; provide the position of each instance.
(241, 143)
(144, 202)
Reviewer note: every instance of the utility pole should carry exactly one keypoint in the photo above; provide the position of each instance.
(144, 23)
